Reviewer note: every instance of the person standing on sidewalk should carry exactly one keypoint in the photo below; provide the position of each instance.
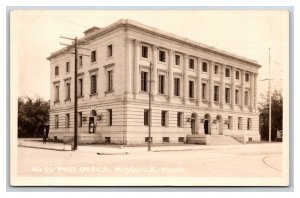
(45, 136)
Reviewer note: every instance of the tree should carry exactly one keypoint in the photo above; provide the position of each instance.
(276, 112)
(33, 114)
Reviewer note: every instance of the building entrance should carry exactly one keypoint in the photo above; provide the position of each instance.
(207, 124)
(193, 124)
(92, 121)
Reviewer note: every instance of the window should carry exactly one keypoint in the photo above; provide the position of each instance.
(179, 119)
(56, 97)
(146, 117)
(110, 80)
(180, 139)
(204, 91)
(93, 56)
(80, 61)
(229, 122)
(68, 91)
(67, 67)
(144, 52)
(249, 124)
(166, 139)
(144, 78)
(79, 121)
(216, 93)
(161, 84)
(177, 59)
(80, 87)
(204, 67)
(216, 69)
(227, 72)
(162, 56)
(237, 96)
(227, 95)
(246, 98)
(176, 86)
(56, 71)
(237, 75)
(163, 118)
(109, 116)
(109, 50)
(247, 77)
(240, 120)
(192, 63)
(191, 89)
(67, 120)
(56, 121)
(93, 84)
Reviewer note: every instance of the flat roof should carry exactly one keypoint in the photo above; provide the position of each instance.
(131, 23)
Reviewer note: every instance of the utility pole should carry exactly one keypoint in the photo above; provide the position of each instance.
(270, 98)
(270, 101)
(75, 46)
(150, 110)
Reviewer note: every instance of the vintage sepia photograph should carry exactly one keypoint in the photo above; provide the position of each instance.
(149, 98)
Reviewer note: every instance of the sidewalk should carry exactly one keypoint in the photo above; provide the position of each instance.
(108, 149)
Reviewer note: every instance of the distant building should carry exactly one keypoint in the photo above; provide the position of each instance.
(196, 89)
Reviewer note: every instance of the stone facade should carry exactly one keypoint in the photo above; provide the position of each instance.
(197, 89)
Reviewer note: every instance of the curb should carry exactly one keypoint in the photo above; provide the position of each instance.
(43, 148)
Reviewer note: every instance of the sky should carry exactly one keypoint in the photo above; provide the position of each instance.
(36, 33)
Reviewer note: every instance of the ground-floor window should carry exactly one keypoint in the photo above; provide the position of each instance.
(179, 119)
(79, 121)
(164, 118)
(249, 124)
(67, 120)
(146, 117)
(109, 117)
(240, 123)
(56, 121)
(229, 122)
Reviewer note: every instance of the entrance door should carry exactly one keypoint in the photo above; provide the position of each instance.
(206, 127)
(91, 125)
(193, 126)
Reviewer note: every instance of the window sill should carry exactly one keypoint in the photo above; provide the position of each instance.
(110, 91)
(92, 63)
(162, 62)
(81, 96)
(217, 103)
(93, 94)
(56, 101)
(109, 58)
(68, 100)
(191, 69)
(144, 58)
(204, 101)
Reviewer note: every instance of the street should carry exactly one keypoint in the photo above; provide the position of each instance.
(254, 160)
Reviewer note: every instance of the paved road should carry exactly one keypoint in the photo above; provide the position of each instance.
(261, 160)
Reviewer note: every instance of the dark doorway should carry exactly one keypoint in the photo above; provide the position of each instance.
(91, 125)
(193, 126)
(206, 127)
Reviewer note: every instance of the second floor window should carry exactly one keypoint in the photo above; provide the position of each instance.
(162, 56)
(203, 91)
(68, 91)
(161, 84)
(237, 96)
(176, 86)
(93, 56)
(110, 80)
(80, 87)
(56, 97)
(144, 78)
(246, 98)
(93, 84)
(216, 93)
(191, 89)
(227, 95)
(144, 51)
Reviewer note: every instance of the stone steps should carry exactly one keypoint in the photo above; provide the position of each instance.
(211, 140)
